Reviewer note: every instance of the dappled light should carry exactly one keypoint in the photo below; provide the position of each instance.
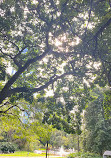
(55, 77)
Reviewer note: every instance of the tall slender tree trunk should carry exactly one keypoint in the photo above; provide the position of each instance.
(78, 144)
(47, 150)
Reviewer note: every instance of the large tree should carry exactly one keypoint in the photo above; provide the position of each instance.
(97, 129)
(43, 42)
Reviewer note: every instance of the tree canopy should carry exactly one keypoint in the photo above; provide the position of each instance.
(44, 42)
(62, 47)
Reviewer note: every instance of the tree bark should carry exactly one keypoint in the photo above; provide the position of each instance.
(47, 149)
(78, 148)
(7, 92)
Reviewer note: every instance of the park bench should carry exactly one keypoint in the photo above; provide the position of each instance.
(106, 153)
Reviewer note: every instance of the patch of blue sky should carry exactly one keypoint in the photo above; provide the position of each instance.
(13, 71)
(24, 117)
(25, 50)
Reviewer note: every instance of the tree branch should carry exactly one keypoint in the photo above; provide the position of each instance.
(4, 104)
(5, 54)
(102, 29)
(7, 114)
(5, 91)
(33, 90)
(20, 51)
(6, 38)
(5, 111)
(91, 1)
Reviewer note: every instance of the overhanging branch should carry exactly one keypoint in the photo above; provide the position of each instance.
(11, 107)
(5, 91)
(33, 90)
(101, 29)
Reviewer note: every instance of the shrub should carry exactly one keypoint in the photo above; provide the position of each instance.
(83, 155)
(4, 148)
(7, 147)
(11, 148)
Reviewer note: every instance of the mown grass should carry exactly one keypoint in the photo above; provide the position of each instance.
(23, 153)
(27, 154)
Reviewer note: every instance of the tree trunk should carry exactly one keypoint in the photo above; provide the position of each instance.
(47, 149)
(78, 144)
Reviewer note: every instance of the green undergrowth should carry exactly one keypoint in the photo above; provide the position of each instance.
(83, 155)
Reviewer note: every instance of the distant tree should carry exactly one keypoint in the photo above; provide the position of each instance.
(107, 104)
(15, 127)
(98, 128)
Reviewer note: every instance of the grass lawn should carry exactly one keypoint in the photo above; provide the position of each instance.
(27, 154)
(23, 153)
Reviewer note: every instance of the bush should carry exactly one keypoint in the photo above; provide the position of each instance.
(7, 147)
(83, 155)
